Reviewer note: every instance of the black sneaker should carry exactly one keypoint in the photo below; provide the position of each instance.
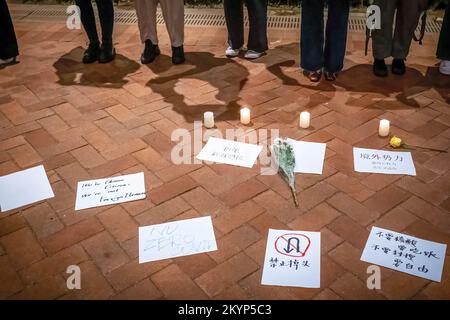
(331, 76)
(150, 53)
(178, 55)
(379, 68)
(398, 67)
(107, 53)
(91, 54)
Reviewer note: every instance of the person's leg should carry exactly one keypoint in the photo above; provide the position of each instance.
(146, 14)
(106, 14)
(173, 12)
(234, 16)
(92, 53)
(257, 13)
(336, 35)
(408, 15)
(8, 42)
(312, 35)
(443, 50)
(88, 19)
(382, 38)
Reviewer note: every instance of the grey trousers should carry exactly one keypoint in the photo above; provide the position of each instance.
(173, 13)
(386, 42)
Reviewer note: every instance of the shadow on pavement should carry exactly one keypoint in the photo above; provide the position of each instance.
(203, 73)
(71, 71)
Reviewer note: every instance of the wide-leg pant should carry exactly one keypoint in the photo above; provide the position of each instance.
(106, 14)
(443, 51)
(386, 42)
(257, 14)
(173, 13)
(324, 50)
(8, 41)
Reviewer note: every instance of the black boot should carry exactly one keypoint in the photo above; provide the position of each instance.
(150, 53)
(107, 53)
(178, 55)
(379, 68)
(92, 52)
(398, 67)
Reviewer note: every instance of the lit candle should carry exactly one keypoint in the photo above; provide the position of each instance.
(305, 119)
(383, 131)
(245, 115)
(208, 119)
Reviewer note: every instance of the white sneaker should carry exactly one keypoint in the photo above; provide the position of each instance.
(444, 67)
(250, 54)
(230, 52)
(7, 61)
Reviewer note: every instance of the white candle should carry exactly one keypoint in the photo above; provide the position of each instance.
(208, 119)
(245, 115)
(383, 131)
(305, 119)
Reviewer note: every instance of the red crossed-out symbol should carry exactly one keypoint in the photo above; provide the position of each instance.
(292, 244)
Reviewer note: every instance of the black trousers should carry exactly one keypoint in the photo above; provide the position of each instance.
(321, 49)
(443, 51)
(106, 14)
(257, 14)
(8, 41)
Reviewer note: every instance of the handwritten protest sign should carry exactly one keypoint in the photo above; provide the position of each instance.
(103, 192)
(405, 253)
(176, 239)
(386, 162)
(292, 259)
(24, 187)
(230, 152)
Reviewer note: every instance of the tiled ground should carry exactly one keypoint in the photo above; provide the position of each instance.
(94, 121)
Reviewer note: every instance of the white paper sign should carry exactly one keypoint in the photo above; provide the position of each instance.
(292, 259)
(103, 192)
(176, 239)
(230, 152)
(405, 253)
(309, 156)
(386, 162)
(24, 187)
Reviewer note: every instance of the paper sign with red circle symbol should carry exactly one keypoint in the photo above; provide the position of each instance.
(293, 245)
(292, 259)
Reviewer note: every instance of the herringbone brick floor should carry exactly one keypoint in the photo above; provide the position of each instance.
(87, 122)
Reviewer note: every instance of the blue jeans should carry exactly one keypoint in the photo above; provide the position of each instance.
(257, 15)
(324, 50)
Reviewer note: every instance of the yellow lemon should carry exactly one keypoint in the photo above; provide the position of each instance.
(396, 142)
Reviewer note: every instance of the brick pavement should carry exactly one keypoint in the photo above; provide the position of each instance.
(87, 122)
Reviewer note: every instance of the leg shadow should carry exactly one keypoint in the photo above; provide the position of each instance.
(71, 71)
(360, 79)
(216, 80)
